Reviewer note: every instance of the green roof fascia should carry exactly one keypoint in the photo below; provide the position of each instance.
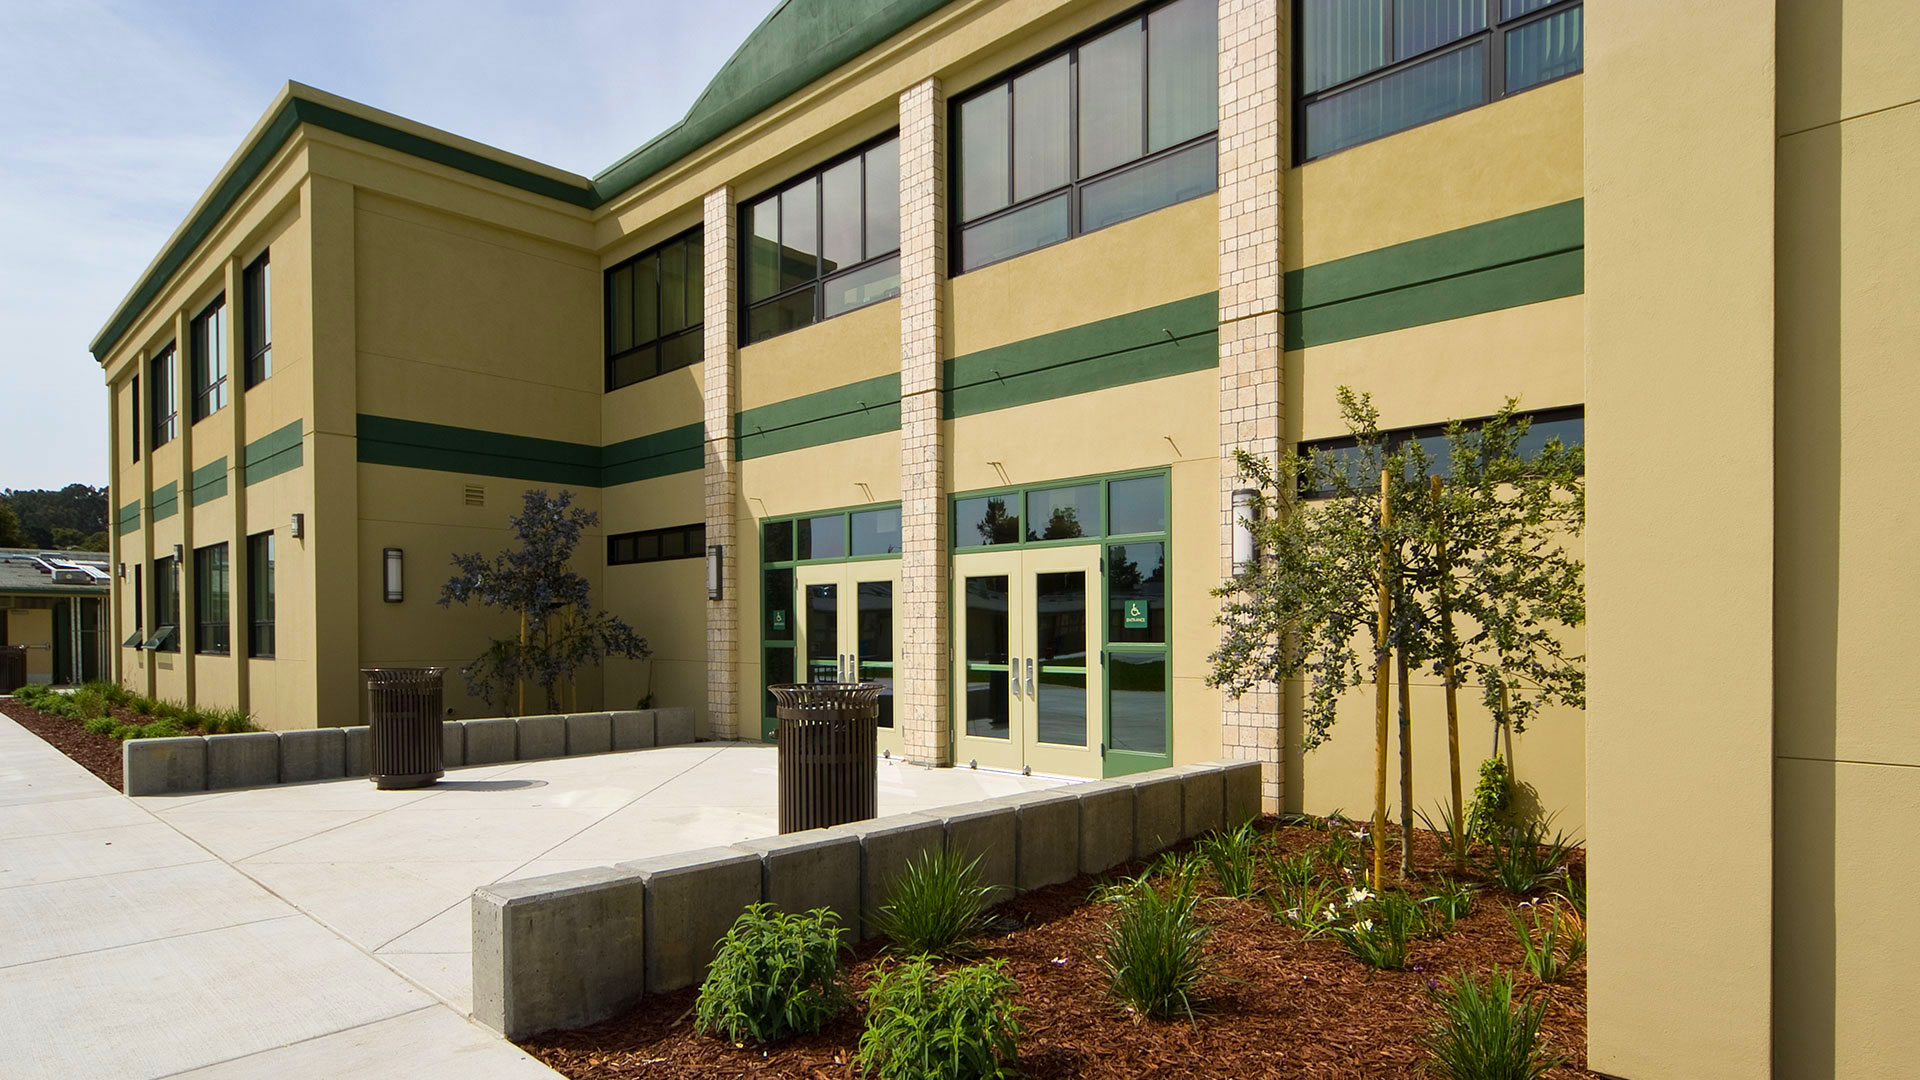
(54, 590)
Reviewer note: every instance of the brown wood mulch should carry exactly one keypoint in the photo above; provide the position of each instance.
(1277, 1005)
(98, 754)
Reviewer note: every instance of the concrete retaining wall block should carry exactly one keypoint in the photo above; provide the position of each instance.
(632, 729)
(453, 743)
(984, 830)
(164, 766)
(491, 741)
(1242, 795)
(542, 737)
(693, 898)
(672, 727)
(1202, 799)
(1049, 845)
(589, 733)
(812, 869)
(1157, 811)
(885, 846)
(1106, 825)
(249, 759)
(318, 754)
(561, 951)
(359, 751)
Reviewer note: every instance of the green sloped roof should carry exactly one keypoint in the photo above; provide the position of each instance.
(800, 41)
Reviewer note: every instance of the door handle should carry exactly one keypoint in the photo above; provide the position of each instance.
(846, 669)
(1013, 666)
(1029, 676)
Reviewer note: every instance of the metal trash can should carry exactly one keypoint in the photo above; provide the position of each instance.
(13, 668)
(405, 707)
(829, 769)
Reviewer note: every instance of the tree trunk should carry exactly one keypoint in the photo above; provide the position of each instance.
(1448, 648)
(1383, 683)
(1406, 769)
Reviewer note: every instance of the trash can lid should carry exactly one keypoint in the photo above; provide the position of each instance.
(825, 695)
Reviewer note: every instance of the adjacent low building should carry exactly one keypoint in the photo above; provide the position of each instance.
(920, 349)
(53, 617)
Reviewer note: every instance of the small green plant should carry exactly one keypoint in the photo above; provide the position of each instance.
(1484, 1034)
(100, 725)
(1292, 874)
(1523, 858)
(1314, 908)
(1551, 940)
(123, 732)
(1155, 953)
(1487, 810)
(922, 1025)
(1340, 851)
(1443, 824)
(775, 975)
(1575, 893)
(1232, 857)
(1380, 928)
(159, 729)
(1449, 902)
(936, 904)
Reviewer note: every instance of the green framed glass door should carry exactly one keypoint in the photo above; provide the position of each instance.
(989, 726)
(1061, 638)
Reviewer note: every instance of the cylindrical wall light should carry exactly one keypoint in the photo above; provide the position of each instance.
(396, 575)
(715, 556)
(298, 526)
(1243, 529)
(179, 553)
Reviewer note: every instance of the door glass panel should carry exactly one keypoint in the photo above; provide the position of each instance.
(1064, 513)
(989, 520)
(1060, 647)
(823, 633)
(823, 537)
(1137, 708)
(776, 541)
(779, 662)
(1136, 593)
(873, 640)
(989, 712)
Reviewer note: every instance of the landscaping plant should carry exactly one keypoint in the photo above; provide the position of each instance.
(1552, 940)
(936, 905)
(1491, 797)
(1155, 953)
(924, 1025)
(1379, 927)
(90, 706)
(1484, 1034)
(1450, 903)
(775, 974)
(1523, 858)
(1232, 856)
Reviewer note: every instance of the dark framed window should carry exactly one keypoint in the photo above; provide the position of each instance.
(166, 606)
(1568, 424)
(139, 603)
(260, 637)
(1369, 68)
(657, 545)
(256, 319)
(655, 307)
(211, 601)
(824, 244)
(207, 350)
(135, 417)
(1119, 123)
(163, 409)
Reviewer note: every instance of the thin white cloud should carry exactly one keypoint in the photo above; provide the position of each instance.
(120, 114)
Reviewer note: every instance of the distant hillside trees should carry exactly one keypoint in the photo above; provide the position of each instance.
(73, 518)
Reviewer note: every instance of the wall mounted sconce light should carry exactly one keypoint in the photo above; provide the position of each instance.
(122, 575)
(1243, 529)
(395, 561)
(298, 526)
(715, 558)
(178, 553)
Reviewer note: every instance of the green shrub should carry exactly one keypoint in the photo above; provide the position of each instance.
(144, 705)
(1523, 858)
(1551, 940)
(159, 729)
(101, 725)
(1155, 953)
(89, 702)
(166, 710)
(1232, 858)
(1380, 928)
(113, 693)
(219, 721)
(1487, 811)
(1449, 903)
(922, 1025)
(124, 732)
(936, 904)
(1483, 1034)
(775, 975)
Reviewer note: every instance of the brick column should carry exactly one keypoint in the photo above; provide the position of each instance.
(721, 382)
(1251, 417)
(921, 687)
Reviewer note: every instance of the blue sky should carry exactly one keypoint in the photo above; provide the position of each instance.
(118, 116)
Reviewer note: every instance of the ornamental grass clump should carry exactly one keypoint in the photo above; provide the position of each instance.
(1484, 1034)
(1523, 859)
(925, 1025)
(936, 905)
(1232, 857)
(1155, 953)
(774, 975)
(1450, 902)
(1552, 939)
(1379, 927)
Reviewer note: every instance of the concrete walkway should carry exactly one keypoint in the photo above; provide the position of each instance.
(393, 871)
(129, 949)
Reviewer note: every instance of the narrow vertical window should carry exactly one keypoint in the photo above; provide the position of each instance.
(207, 348)
(163, 413)
(260, 635)
(139, 603)
(655, 306)
(134, 417)
(165, 583)
(212, 633)
(256, 319)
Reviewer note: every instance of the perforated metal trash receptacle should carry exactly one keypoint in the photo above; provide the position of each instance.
(404, 710)
(829, 774)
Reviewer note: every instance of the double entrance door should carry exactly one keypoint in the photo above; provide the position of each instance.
(850, 630)
(1026, 659)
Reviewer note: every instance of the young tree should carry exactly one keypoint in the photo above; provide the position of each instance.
(10, 534)
(560, 630)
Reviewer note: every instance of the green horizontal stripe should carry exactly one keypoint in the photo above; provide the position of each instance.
(1153, 343)
(209, 482)
(1508, 262)
(274, 453)
(414, 444)
(867, 407)
(130, 517)
(662, 453)
(166, 500)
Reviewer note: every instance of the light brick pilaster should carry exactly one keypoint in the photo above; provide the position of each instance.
(721, 390)
(1252, 107)
(921, 689)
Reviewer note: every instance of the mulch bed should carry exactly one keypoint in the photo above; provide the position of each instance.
(99, 754)
(1277, 1005)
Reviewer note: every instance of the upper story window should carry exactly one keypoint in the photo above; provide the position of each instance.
(1118, 124)
(134, 394)
(163, 410)
(256, 319)
(824, 244)
(1369, 68)
(656, 303)
(207, 343)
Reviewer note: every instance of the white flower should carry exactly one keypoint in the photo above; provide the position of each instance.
(1358, 834)
(1365, 926)
(1332, 913)
(1293, 914)
(1359, 896)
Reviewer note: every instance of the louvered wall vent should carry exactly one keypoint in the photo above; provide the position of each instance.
(476, 495)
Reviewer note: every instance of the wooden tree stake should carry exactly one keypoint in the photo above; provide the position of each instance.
(1383, 686)
(1406, 769)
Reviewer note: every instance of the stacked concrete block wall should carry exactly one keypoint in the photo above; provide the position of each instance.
(262, 758)
(532, 972)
